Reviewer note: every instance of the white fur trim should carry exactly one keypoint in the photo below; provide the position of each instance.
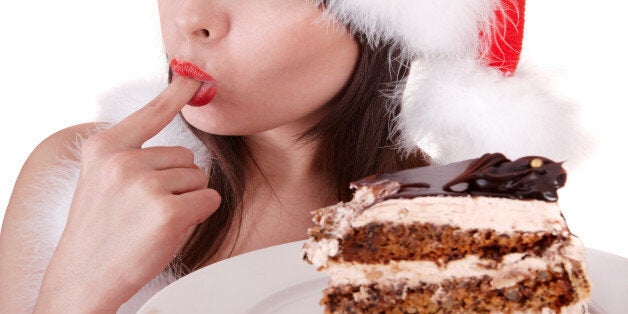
(423, 27)
(458, 110)
(454, 107)
(50, 204)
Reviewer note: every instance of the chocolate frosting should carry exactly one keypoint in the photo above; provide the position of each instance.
(492, 175)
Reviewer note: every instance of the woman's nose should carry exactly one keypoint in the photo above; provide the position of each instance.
(202, 20)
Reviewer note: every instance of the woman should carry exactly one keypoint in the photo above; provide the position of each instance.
(293, 105)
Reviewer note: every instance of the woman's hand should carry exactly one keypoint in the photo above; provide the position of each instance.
(132, 210)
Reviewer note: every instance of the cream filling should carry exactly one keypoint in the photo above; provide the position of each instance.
(513, 268)
(319, 252)
(500, 214)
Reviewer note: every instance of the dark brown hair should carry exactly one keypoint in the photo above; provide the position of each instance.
(354, 140)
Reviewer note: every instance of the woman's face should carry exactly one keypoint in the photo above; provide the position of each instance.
(276, 63)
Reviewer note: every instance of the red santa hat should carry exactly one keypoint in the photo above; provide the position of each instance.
(465, 96)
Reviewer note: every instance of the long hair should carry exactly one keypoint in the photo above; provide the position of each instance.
(354, 140)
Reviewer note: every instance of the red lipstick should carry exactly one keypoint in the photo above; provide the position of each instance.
(208, 89)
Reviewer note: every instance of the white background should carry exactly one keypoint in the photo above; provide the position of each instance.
(58, 57)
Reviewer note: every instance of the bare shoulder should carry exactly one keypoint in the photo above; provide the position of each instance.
(60, 144)
(50, 153)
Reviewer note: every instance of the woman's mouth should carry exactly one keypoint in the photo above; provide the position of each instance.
(208, 89)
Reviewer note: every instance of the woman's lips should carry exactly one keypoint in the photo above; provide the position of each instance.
(208, 89)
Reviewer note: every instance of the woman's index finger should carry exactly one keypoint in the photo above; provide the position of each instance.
(149, 120)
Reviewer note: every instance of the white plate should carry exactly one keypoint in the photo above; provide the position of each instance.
(276, 280)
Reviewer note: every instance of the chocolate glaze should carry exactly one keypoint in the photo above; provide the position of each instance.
(492, 175)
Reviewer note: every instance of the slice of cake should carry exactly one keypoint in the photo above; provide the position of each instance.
(482, 235)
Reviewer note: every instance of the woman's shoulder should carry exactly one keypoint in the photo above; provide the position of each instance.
(63, 142)
(55, 151)
(58, 147)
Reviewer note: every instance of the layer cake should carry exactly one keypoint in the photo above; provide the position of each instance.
(483, 235)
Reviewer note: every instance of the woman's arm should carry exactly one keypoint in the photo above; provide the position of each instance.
(16, 293)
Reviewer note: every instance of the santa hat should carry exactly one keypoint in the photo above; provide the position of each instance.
(464, 95)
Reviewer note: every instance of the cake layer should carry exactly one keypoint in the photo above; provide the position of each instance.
(541, 292)
(487, 222)
(383, 242)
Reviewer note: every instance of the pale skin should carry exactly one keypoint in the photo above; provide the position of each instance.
(277, 65)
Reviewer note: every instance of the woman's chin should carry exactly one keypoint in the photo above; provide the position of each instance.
(206, 119)
(218, 120)
(212, 128)
(232, 128)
